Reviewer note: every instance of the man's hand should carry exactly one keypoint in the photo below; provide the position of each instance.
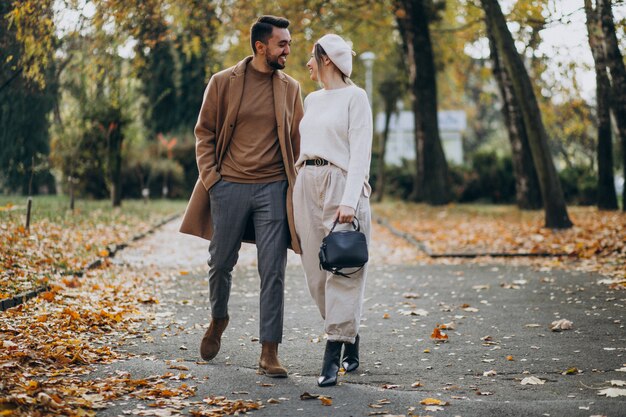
(345, 214)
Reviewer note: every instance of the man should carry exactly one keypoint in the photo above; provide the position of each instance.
(247, 140)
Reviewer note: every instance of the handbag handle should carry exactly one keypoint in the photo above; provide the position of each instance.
(355, 223)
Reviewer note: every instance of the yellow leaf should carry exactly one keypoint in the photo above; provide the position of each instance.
(432, 401)
(326, 401)
(103, 253)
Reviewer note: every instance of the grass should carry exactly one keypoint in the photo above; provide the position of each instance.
(60, 242)
(56, 209)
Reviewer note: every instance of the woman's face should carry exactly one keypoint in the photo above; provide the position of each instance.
(312, 66)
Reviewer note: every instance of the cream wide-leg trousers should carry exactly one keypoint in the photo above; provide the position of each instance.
(316, 197)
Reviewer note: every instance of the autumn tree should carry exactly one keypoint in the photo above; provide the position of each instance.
(615, 63)
(606, 198)
(527, 194)
(554, 202)
(26, 94)
(391, 89)
(195, 34)
(431, 177)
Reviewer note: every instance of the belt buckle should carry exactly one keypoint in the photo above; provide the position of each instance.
(319, 162)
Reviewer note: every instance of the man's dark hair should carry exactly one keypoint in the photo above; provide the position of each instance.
(262, 29)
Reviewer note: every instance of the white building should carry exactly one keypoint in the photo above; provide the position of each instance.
(401, 140)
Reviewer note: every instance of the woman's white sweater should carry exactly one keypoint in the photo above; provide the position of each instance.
(337, 126)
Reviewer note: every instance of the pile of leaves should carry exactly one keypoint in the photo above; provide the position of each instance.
(597, 242)
(60, 242)
(49, 345)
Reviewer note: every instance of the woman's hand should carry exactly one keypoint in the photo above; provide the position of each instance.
(345, 214)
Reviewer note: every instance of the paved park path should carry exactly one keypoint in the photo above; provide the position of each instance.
(501, 317)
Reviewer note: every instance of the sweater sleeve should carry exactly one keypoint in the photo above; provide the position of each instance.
(360, 144)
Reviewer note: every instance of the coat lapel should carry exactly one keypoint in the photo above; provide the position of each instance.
(235, 93)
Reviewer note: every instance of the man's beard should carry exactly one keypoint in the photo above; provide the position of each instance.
(273, 62)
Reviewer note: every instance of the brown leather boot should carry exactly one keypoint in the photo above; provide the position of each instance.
(211, 341)
(269, 364)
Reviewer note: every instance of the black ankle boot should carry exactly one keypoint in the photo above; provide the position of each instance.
(330, 368)
(350, 359)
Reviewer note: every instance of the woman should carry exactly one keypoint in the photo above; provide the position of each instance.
(333, 169)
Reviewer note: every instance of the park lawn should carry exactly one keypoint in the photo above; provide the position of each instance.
(597, 242)
(60, 243)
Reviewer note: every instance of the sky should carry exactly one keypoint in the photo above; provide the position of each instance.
(568, 43)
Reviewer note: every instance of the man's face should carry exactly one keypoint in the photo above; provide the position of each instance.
(278, 47)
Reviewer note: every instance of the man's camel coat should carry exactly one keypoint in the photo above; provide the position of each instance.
(214, 130)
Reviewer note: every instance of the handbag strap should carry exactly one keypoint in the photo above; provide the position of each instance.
(343, 274)
(355, 223)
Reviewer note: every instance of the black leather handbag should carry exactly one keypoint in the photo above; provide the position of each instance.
(344, 249)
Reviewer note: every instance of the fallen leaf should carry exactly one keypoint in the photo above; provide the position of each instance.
(433, 408)
(559, 325)
(410, 295)
(491, 372)
(416, 312)
(480, 287)
(386, 316)
(437, 335)
(47, 296)
(510, 358)
(327, 401)
(618, 383)
(571, 371)
(307, 396)
(613, 392)
(532, 380)
(416, 384)
(448, 326)
(432, 401)
(390, 386)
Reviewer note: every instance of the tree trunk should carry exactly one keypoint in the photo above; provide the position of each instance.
(380, 175)
(115, 139)
(431, 176)
(554, 202)
(391, 89)
(615, 63)
(606, 198)
(527, 191)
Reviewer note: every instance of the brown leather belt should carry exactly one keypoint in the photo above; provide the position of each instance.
(318, 162)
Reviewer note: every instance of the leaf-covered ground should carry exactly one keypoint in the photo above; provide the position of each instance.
(597, 242)
(49, 345)
(60, 242)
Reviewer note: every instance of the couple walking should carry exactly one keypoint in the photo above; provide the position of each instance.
(253, 134)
